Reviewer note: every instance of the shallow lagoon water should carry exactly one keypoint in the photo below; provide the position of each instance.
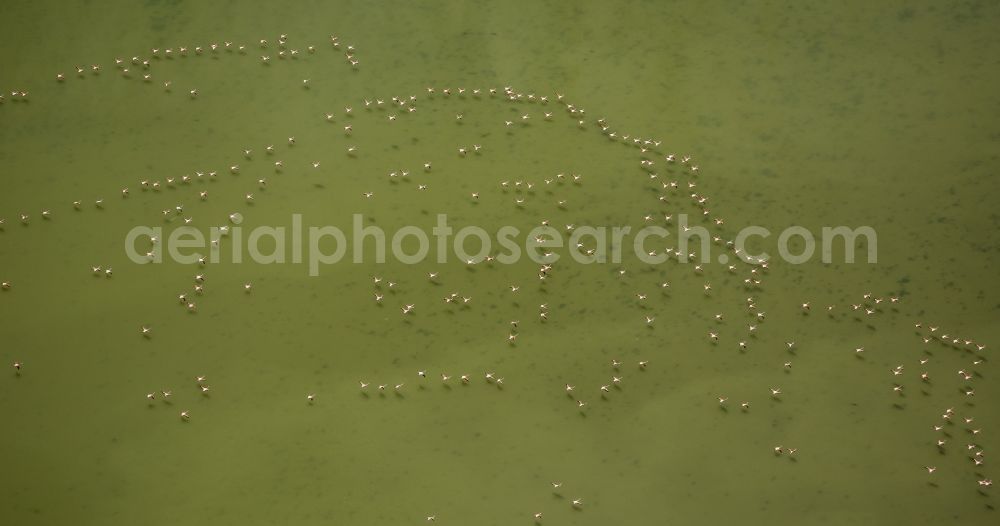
(796, 115)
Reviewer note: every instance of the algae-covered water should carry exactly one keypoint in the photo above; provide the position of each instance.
(148, 390)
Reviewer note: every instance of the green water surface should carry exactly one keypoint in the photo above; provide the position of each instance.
(797, 113)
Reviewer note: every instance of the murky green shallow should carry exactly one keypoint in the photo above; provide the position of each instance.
(813, 115)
